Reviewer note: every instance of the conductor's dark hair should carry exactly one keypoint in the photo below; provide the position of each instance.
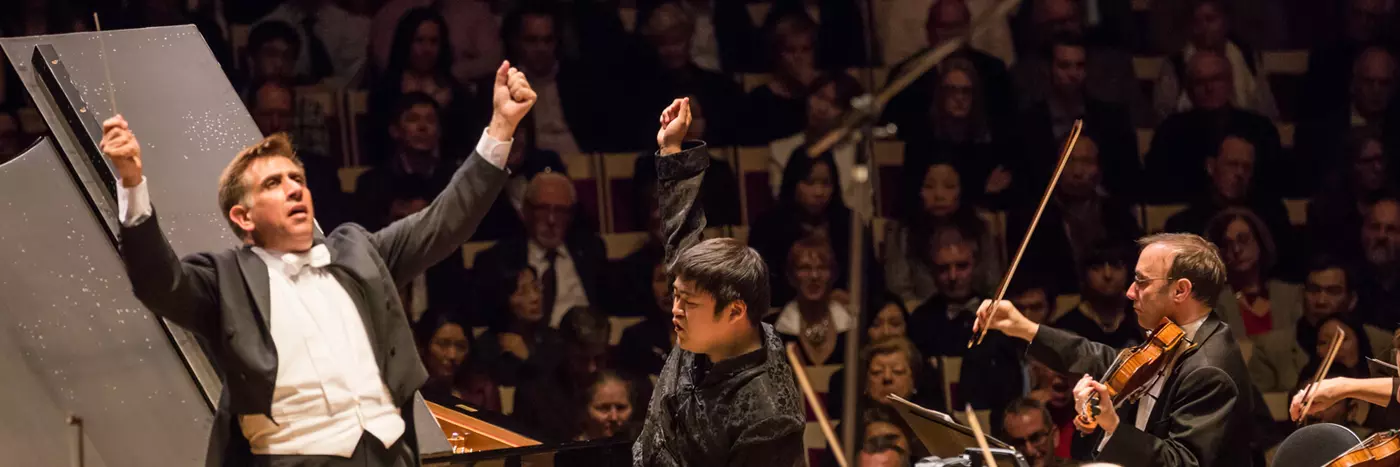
(269, 31)
(730, 271)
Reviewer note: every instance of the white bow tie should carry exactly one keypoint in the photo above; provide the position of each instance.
(293, 263)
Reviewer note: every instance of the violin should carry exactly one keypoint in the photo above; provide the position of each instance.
(1380, 450)
(1135, 370)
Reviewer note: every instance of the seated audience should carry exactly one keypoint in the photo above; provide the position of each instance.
(813, 319)
(417, 153)
(549, 400)
(1210, 29)
(421, 62)
(1280, 354)
(645, 345)
(668, 29)
(1184, 140)
(1336, 211)
(890, 320)
(780, 106)
(908, 272)
(446, 347)
(441, 286)
(1104, 313)
(1378, 290)
(806, 206)
(827, 100)
(890, 366)
(1350, 361)
(958, 131)
(610, 408)
(1363, 23)
(942, 325)
(525, 161)
(721, 35)
(1233, 173)
(1080, 216)
(333, 40)
(473, 34)
(519, 340)
(1052, 390)
(995, 372)
(1367, 101)
(271, 54)
(1108, 69)
(719, 190)
(1026, 425)
(912, 108)
(1253, 301)
(569, 261)
(1047, 122)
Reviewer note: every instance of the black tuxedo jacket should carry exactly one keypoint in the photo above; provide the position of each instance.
(1201, 418)
(224, 297)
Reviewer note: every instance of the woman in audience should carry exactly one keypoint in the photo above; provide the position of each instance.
(1210, 30)
(961, 135)
(780, 106)
(890, 366)
(891, 319)
(807, 206)
(1253, 301)
(421, 61)
(1351, 358)
(608, 408)
(445, 344)
(813, 320)
(1336, 210)
(908, 272)
(828, 98)
(645, 345)
(520, 339)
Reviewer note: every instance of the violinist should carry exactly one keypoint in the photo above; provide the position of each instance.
(1379, 391)
(1196, 412)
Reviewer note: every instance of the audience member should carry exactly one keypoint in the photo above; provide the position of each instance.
(472, 32)
(1108, 70)
(569, 260)
(996, 372)
(421, 62)
(271, 54)
(645, 345)
(525, 161)
(519, 341)
(780, 106)
(891, 319)
(1027, 427)
(942, 325)
(417, 153)
(1350, 361)
(720, 36)
(1210, 29)
(841, 41)
(1104, 313)
(549, 401)
(445, 344)
(827, 100)
(609, 407)
(1185, 139)
(333, 40)
(813, 318)
(958, 131)
(882, 452)
(1335, 211)
(1263, 25)
(1322, 135)
(719, 190)
(1254, 301)
(1378, 290)
(567, 117)
(669, 29)
(806, 206)
(1280, 354)
(1234, 170)
(1331, 65)
(892, 366)
(1052, 390)
(908, 271)
(1050, 120)
(441, 286)
(1080, 216)
(911, 110)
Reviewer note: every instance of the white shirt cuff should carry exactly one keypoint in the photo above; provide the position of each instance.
(133, 204)
(495, 151)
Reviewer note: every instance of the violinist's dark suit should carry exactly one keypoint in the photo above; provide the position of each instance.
(1202, 416)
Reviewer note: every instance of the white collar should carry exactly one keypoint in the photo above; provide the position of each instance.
(790, 320)
(293, 263)
(537, 251)
(1191, 328)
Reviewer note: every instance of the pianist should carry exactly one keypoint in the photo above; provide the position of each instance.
(317, 357)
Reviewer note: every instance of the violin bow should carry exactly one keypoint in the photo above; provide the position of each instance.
(1026, 240)
(799, 369)
(981, 438)
(1321, 374)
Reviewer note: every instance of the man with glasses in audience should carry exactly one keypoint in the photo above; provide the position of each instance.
(1026, 426)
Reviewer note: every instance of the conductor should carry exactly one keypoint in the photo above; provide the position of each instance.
(317, 358)
(1195, 414)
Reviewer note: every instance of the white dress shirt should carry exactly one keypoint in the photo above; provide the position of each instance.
(569, 292)
(328, 390)
(1150, 399)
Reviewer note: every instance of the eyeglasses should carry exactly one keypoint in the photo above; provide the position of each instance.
(1142, 282)
(1034, 438)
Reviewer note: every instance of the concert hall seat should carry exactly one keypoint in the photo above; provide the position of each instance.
(755, 192)
(889, 158)
(619, 193)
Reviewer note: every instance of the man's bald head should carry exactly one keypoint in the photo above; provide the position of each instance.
(548, 208)
(1211, 81)
(1372, 81)
(947, 19)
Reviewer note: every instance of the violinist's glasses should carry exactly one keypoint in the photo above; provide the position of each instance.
(1142, 282)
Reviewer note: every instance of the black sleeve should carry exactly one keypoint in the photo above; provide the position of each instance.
(783, 451)
(682, 214)
(1067, 353)
(1200, 424)
(184, 292)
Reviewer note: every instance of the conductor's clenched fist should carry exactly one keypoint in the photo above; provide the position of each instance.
(120, 145)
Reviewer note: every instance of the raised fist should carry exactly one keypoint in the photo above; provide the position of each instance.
(511, 99)
(675, 122)
(122, 148)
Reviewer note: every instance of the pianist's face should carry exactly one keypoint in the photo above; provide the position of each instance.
(277, 210)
